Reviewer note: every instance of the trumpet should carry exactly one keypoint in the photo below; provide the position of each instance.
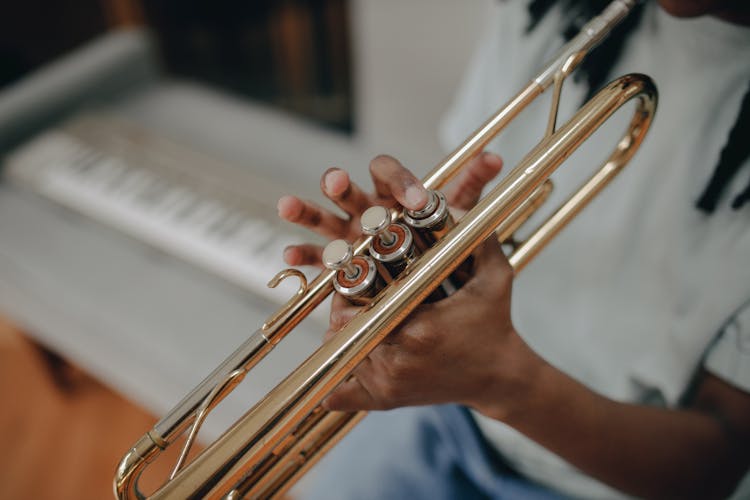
(280, 438)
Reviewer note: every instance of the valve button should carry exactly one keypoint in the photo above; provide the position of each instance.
(376, 221)
(337, 255)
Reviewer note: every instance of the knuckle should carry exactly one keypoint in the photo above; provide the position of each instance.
(502, 283)
(388, 370)
(305, 253)
(344, 228)
(473, 180)
(504, 275)
(337, 319)
(379, 404)
(327, 335)
(387, 405)
(338, 399)
(388, 393)
(313, 254)
(401, 366)
(295, 215)
(312, 216)
(422, 334)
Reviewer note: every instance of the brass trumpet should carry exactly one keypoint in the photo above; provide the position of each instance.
(280, 438)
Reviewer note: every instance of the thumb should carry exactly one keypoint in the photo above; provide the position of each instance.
(490, 265)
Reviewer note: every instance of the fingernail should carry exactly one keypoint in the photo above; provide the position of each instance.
(287, 254)
(416, 197)
(333, 177)
(279, 205)
(329, 182)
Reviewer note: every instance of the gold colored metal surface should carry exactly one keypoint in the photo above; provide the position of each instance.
(283, 435)
(505, 234)
(281, 276)
(232, 380)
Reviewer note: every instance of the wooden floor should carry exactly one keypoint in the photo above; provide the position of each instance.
(61, 432)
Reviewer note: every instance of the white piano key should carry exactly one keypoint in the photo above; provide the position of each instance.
(139, 180)
(118, 174)
(104, 172)
(174, 201)
(167, 212)
(204, 215)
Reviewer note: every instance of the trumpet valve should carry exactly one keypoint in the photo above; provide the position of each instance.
(392, 243)
(376, 221)
(432, 217)
(357, 277)
(338, 255)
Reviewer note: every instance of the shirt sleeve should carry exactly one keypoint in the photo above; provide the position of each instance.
(729, 357)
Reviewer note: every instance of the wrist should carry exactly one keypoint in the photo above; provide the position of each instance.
(515, 381)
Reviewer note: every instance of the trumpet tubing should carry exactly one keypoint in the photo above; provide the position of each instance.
(283, 435)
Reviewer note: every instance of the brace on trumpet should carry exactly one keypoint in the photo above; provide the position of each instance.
(404, 259)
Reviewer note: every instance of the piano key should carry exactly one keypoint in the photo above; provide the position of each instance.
(170, 212)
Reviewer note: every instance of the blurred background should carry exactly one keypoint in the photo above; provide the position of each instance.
(143, 146)
(292, 54)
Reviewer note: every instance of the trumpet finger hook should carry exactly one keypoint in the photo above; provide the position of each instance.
(281, 276)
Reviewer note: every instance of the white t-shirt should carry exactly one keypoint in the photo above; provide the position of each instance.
(632, 296)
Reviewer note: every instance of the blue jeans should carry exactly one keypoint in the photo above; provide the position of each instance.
(434, 453)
